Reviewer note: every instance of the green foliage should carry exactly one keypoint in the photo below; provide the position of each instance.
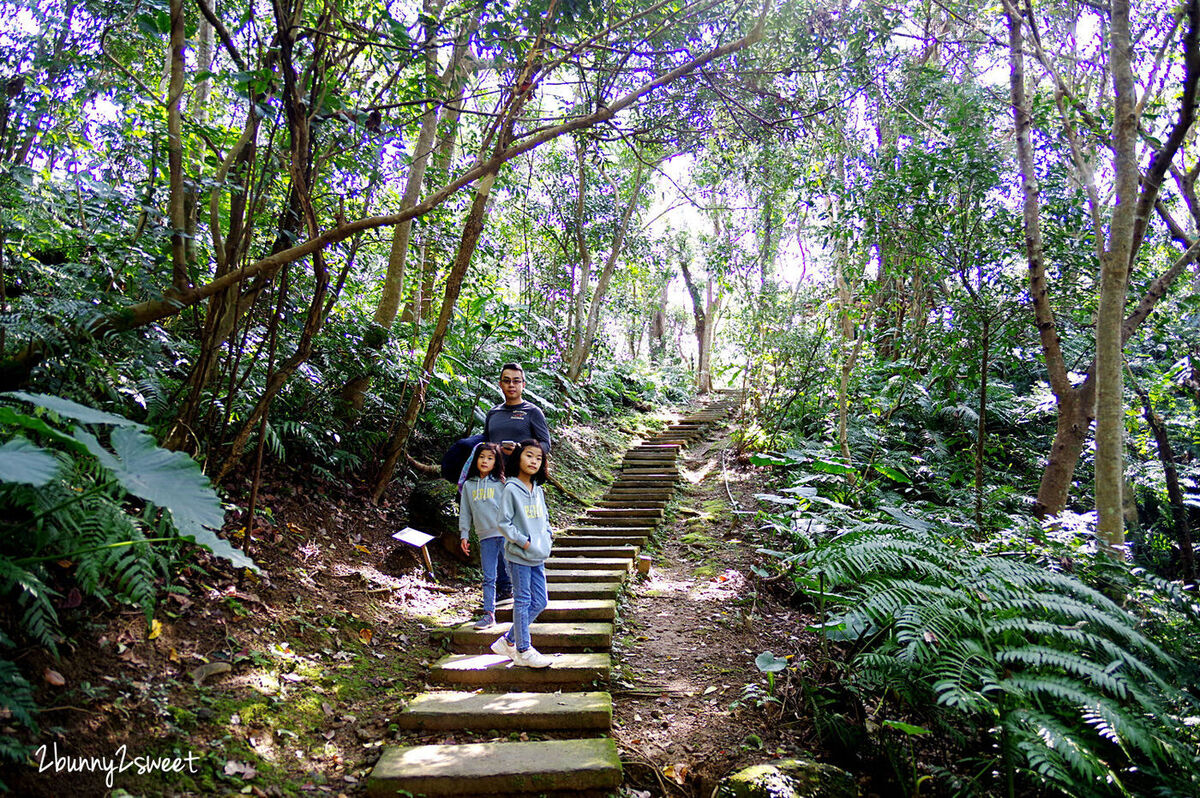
(1084, 701)
(87, 518)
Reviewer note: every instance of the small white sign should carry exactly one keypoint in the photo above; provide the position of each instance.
(412, 537)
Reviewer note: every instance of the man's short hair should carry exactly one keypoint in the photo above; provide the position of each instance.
(512, 367)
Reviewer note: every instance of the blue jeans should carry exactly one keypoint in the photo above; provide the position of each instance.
(529, 599)
(495, 572)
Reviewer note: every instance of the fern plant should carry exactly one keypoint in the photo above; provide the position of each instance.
(1082, 702)
(113, 513)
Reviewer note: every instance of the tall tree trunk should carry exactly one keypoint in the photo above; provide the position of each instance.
(1074, 414)
(176, 203)
(451, 83)
(658, 324)
(1114, 278)
(583, 348)
(699, 324)
(1128, 223)
(712, 315)
(472, 229)
(199, 112)
(1179, 510)
(575, 322)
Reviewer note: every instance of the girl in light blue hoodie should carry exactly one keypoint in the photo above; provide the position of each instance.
(526, 528)
(479, 507)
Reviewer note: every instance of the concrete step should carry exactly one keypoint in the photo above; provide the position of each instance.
(502, 711)
(667, 461)
(605, 550)
(569, 672)
(578, 575)
(635, 493)
(631, 503)
(645, 472)
(566, 610)
(663, 481)
(587, 563)
(492, 769)
(623, 512)
(573, 541)
(547, 638)
(633, 489)
(598, 521)
(607, 531)
(584, 590)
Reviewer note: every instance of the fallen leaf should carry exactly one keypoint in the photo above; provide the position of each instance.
(53, 677)
(202, 672)
(128, 656)
(677, 773)
(155, 629)
(241, 769)
(365, 634)
(174, 656)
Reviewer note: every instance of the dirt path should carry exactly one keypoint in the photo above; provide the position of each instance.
(688, 703)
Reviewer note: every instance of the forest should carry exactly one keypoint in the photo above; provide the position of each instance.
(944, 255)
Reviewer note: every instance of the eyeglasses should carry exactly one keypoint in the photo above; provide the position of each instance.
(511, 381)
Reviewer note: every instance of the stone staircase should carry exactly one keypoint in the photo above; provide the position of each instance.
(590, 562)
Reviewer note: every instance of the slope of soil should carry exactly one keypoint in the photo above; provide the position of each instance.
(690, 706)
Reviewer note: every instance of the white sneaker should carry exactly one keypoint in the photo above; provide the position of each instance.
(504, 648)
(532, 658)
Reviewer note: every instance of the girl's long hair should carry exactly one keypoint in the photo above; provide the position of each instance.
(497, 469)
(543, 473)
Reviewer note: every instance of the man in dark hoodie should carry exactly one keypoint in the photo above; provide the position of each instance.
(514, 419)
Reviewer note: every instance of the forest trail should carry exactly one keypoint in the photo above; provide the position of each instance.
(480, 691)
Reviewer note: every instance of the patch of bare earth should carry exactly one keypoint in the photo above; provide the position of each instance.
(689, 702)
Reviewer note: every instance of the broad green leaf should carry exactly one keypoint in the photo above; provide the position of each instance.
(171, 480)
(768, 460)
(894, 474)
(541, 402)
(828, 502)
(841, 629)
(831, 467)
(771, 497)
(907, 520)
(769, 663)
(73, 410)
(907, 728)
(21, 461)
(9, 415)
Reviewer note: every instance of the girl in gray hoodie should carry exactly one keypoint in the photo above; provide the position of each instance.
(479, 507)
(526, 528)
